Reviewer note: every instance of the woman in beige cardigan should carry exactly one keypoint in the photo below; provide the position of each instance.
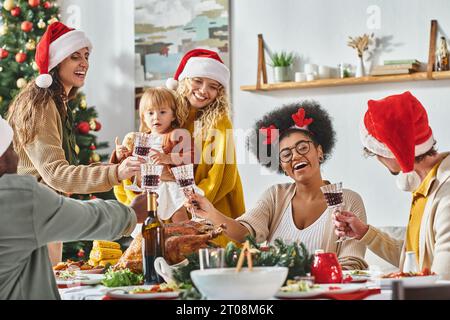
(43, 124)
(294, 140)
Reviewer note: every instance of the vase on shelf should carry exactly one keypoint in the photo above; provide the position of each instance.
(281, 74)
(360, 70)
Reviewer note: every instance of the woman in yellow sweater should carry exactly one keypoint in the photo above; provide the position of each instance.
(201, 82)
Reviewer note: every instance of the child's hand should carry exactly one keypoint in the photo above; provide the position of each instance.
(160, 157)
(122, 152)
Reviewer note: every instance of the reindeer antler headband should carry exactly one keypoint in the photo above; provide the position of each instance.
(300, 122)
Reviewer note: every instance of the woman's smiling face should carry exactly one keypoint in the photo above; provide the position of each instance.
(203, 92)
(299, 156)
(73, 69)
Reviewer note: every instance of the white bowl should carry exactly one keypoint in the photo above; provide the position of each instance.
(227, 284)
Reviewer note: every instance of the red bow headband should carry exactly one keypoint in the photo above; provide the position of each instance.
(301, 122)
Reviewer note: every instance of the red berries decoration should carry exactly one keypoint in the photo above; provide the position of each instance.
(21, 57)
(47, 5)
(26, 26)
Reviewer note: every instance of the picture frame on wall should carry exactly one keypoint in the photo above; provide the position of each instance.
(165, 30)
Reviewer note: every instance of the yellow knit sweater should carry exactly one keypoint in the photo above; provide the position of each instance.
(216, 175)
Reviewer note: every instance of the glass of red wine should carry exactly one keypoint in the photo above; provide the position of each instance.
(184, 175)
(141, 149)
(335, 200)
(150, 176)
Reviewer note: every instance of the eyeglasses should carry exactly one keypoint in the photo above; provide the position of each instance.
(302, 147)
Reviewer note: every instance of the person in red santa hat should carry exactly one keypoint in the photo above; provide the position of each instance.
(201, 81)
(396, 131)
(43, 123)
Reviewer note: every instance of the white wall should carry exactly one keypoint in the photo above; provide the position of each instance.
(109, 25)
(318, 31)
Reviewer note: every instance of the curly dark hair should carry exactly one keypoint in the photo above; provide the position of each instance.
(320, 131)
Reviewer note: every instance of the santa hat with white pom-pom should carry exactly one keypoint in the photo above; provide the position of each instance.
(57, 43)
(200, 63)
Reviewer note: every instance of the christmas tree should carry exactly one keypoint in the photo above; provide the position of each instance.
(23, 22)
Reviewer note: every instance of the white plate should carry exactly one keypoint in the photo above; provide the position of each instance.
(323, 288)
(82, 279)
(408, 281)
(123, 293)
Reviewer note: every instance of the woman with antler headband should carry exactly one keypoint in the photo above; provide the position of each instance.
(294, 140)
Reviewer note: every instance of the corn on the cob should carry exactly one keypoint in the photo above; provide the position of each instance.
(112, 262)
(92, 263)
(98, 254)
(105, 244)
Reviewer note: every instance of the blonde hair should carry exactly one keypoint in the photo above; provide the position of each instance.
(209, 115)
(27, 109)
(155, 98)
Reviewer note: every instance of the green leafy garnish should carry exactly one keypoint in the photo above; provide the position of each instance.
(122, 278)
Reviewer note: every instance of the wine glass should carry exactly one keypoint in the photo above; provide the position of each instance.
(335, 200)
(141, 148)
(184, 175)
(150, 176)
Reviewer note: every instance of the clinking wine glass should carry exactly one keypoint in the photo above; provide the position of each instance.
(184, 175)
(141, 148)
(335, 200)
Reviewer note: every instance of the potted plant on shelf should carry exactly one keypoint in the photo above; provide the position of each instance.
(281, 63)
(361, 44)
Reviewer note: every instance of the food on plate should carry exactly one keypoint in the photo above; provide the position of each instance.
(74, 265)
(122, 278)
(298, 286)
(67, 275)
(164, 287)
(359, 273)
(104, 253)
(105, 244)
(396, 275)
(182, 239)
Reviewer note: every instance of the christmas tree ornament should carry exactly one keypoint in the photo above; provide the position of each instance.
(21, 57)
(26, 26)
(15, 12)
(8, 5)
(54, 19)
(77, 149)
(1, 69)
(4, 29)
(92, 147)
(1, 99)
(4, 53)
(30, 45)
(47, 5)
(80, 253)
(92, 197)
(98, 126)
(34, 3)
(92, 124)
(35, 66)
(83, 127)
(95, 157)
(41, 24)
(83, 103)
(21, 82)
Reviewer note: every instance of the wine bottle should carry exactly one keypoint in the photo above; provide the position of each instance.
(153, 244)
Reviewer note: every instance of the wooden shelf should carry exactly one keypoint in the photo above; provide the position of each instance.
(418, 76)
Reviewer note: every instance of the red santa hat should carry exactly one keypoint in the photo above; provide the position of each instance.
(200, 63)
(57, 43)
(397, 127)
(6, 136)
